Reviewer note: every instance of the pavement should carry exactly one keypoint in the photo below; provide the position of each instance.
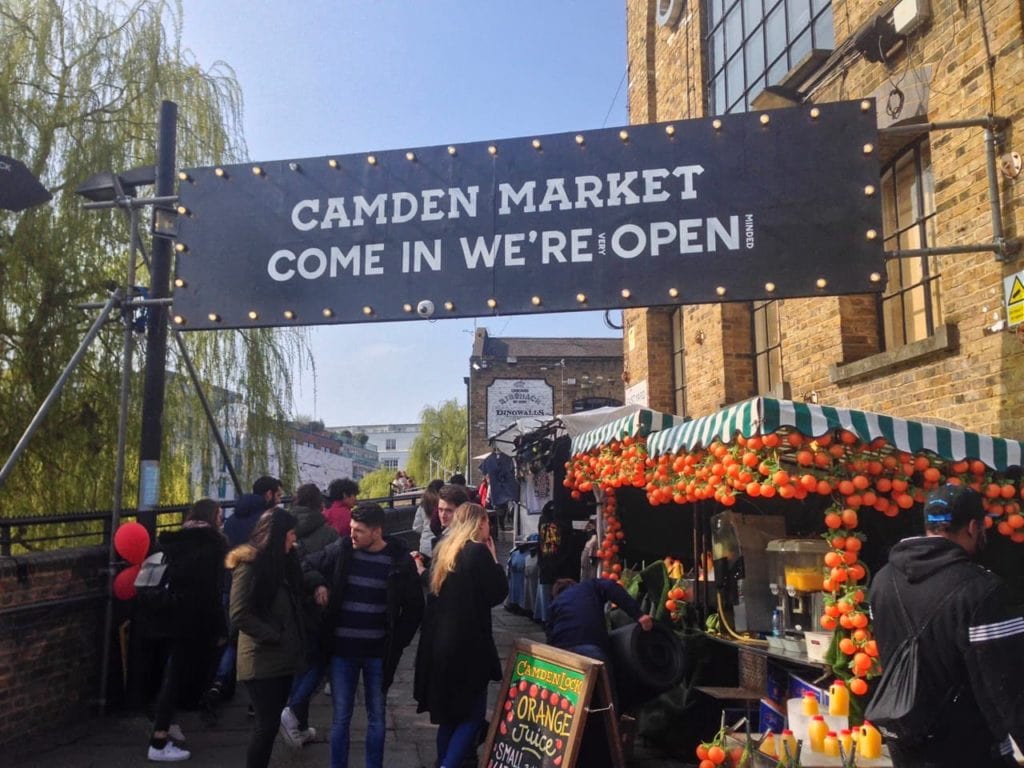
(120, 740)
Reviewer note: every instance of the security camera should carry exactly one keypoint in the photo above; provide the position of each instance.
(425, 308)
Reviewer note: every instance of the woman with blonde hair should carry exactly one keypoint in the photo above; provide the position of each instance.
(456, 658)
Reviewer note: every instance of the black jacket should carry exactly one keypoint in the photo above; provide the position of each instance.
(193, 609)
(330, 568)
(972, 647)
(456, 656)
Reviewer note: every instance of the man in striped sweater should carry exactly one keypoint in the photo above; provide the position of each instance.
(970, 675)
(369, 584)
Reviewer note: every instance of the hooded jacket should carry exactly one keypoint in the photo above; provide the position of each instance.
(312, 530)
(271, 641)
(330, 568)
(971, 648)
(238, 527)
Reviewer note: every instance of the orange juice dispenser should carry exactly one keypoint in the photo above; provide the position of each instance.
(741, 569)
(795, 581)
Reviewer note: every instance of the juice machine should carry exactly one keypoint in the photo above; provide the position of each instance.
(795, 580)
(741, 567)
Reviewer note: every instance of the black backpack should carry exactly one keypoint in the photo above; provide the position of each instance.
(905, 706)
(153, 584)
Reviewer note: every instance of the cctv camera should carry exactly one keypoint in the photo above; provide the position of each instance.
(425, 308)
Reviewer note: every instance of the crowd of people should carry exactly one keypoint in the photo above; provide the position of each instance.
(283, 600)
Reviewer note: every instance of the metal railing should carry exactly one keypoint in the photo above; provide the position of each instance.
(44, 533)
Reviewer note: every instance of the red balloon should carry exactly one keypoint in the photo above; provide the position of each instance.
(124, 582)
(132, 542)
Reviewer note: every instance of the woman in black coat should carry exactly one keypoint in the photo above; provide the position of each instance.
(456, 658)
(187, 621)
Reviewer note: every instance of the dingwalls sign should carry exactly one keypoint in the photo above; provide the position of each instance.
(774, 204)
(509, 400)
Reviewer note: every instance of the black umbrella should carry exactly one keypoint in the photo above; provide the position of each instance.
(19, 189)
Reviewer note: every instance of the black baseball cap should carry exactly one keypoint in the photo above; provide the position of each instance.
(953, 505)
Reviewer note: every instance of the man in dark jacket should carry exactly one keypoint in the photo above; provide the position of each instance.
(369, 584)
(968, 654)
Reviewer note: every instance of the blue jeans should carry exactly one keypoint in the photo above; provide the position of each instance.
(344, 678)
(303, 688)
(457, 740)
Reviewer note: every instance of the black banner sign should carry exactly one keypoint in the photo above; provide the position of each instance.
(750, 206)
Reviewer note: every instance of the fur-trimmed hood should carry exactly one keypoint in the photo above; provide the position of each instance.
(246, 553)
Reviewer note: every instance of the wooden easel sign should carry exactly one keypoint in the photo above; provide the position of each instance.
(543, 705)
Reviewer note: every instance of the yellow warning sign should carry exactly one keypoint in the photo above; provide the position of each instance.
(1016, 292)
(1014, 299)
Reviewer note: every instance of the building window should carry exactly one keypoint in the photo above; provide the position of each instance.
(767, 347)
(910, 302)
(390, 444)
(389, 463)
(678, 363)
(752, 44)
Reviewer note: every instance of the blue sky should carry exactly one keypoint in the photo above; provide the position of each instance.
(341, 76)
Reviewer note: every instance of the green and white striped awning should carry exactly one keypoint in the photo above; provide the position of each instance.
(764, 415)
(637, 424)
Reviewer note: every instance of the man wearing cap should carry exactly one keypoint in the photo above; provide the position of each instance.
(969, 654)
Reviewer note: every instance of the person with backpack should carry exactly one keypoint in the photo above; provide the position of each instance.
(949, 638)
(181, 612)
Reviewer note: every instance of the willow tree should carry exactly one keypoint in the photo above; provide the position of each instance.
(80, 89)
(440, 446)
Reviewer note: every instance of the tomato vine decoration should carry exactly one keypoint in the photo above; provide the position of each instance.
(857, 476)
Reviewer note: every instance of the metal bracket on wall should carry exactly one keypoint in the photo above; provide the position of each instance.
(1003, 247)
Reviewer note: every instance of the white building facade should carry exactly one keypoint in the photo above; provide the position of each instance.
(393, 441)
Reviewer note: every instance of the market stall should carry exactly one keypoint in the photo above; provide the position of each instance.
(768, 470)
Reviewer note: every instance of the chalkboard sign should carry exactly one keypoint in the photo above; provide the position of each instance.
(543, 705)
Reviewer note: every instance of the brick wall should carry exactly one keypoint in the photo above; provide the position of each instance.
(51, 625)
(978, 381)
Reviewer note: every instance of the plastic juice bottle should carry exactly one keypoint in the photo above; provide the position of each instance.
(768, 745)
(839, 699)
(816, 733)
(809, 705)
(846, 739)
(788, 743)
(830, 746)
(869, 745)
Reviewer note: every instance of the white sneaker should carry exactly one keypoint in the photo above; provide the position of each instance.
(169, 754)
(175, 734)
(308, 735)
(289, 729)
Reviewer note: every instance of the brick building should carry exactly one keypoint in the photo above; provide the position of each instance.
(936, 343)
(512, 378)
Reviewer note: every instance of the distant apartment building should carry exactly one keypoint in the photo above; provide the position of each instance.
(319, 458)
(393, 441)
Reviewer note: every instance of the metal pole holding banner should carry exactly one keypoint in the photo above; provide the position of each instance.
(156, 331)
(122, 439)
(51, 398)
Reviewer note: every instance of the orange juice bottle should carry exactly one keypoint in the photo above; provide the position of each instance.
(816, 733)
(869, 745)
(788, 744)
(839, 699)
(768, 745)
(830, 746)
(846, 739)
(809, 705)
